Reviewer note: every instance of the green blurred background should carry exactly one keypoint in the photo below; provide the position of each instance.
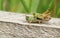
(29, 6)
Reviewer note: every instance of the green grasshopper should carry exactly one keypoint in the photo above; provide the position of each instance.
(39, 18)
(31, 19)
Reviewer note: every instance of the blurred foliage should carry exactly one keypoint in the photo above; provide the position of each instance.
(29, 6)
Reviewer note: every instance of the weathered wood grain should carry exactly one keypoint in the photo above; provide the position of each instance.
(14, 25)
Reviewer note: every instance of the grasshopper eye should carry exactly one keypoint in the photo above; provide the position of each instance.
(33, 13)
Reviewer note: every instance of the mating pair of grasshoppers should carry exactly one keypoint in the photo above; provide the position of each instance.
(39, 18)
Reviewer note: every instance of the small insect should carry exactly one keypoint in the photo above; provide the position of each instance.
(30, 19)
(39, 18)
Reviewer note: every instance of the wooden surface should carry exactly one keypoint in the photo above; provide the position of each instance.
(20, 18)
(14, 25)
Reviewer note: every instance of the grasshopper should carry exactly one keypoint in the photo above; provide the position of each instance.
(31, 19)
(39, 18)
